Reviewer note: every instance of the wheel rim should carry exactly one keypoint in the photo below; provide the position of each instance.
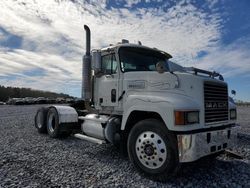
(151, 150)
(51, 123)
(39, 120)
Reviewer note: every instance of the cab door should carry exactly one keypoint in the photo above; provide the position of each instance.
(107, 84)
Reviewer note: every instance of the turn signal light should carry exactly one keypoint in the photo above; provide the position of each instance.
(179, 118)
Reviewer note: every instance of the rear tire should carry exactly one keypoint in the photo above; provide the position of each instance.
(41, 120)
(53, 126)
(153, 149)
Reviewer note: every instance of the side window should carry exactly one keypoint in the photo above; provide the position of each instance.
(114, 64)
(109, 64)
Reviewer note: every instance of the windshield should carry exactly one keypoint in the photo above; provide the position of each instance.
(140, 59)
(175, 67)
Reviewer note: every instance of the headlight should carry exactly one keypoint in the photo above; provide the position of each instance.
(233, 114)
(192, 117)
(186, 117)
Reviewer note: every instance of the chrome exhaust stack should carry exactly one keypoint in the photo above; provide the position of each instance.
(86, 69)
(87, 73)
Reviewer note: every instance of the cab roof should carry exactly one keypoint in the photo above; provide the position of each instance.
(119, 45)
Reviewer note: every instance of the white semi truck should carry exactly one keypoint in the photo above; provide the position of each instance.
(163, 114)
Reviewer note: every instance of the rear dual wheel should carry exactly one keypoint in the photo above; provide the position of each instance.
(47, 121)
(41, 120)
(53, 123)
(153, 149)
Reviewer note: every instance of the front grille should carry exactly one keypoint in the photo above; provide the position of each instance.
(216, 102)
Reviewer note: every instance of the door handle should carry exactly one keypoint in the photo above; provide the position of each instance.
(113, 95)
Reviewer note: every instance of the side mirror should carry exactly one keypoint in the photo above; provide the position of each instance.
(96, 61)
(160, 67)
(233, 92)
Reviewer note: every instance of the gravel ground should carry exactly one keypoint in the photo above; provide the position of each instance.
(243, 113)
(29, 159)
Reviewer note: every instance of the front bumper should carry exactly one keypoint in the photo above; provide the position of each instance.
(194, 146)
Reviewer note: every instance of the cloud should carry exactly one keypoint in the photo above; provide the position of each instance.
(130, 3)
(56, 73)
(53, 37)
(212, 3)
(230, 60)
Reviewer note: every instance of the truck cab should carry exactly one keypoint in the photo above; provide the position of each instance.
(163, 114)
(128, 79)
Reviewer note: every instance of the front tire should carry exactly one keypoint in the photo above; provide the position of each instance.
(153, 149)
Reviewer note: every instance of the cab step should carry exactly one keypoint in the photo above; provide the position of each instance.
(90, 139)
(233, 154)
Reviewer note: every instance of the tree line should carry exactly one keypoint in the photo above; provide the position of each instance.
(15, 92)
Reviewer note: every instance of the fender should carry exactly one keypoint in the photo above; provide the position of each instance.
(163, 105)
(66, 114)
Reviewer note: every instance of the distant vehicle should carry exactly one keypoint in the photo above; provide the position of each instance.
(2, 103)
(70, 100)
(10, 101)
(60, 100)
(51, 101)
(29, 100)
(19, 101)
(15, 101)
(41, 100)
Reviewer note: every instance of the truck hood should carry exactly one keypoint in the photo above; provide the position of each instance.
(182, 90)
(179, 82)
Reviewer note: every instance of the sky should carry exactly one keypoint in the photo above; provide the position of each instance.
(42, 42)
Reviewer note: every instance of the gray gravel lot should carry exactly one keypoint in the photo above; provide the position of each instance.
(243, 113)
(29, 159)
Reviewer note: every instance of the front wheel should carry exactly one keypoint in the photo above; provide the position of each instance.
(153, 149)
